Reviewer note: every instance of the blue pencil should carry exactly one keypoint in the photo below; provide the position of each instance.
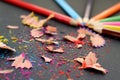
(69, 10)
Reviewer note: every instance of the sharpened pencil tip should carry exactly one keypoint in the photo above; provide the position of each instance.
(81, 21)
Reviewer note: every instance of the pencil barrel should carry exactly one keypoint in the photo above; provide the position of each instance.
(111, 33)
(108, 12)
(42, 11)
(111, 19)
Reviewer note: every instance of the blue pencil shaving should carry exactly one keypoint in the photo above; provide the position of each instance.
(69, 10)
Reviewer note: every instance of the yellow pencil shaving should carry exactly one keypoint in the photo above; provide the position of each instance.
(113, 28)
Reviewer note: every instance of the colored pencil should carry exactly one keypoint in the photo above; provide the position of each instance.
(111, 23)
(42, 11)
(69, 10)
(106, 29)
(111, 19)
(106, 13)
(87, 11)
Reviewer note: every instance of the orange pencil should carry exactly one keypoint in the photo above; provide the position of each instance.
(106, 13)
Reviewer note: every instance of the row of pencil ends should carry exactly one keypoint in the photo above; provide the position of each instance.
(103, 22)
(108, 26)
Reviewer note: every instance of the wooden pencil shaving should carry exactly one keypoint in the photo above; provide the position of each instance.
(47, 41)
(76, 41)
(4, 46)
(51, 30)
(12, 27)
(6, 71)
(36, 33)
(70, 38)
(97, 41)
(90, 61)
(53, 49)
(33, 21)
(21, 62)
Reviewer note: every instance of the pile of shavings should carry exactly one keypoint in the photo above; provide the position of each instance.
(95, 39)
(38, 32)
(52, 44)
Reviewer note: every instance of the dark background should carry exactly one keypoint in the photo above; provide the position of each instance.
(108, 56)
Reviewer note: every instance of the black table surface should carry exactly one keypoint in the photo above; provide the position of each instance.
(108, 56)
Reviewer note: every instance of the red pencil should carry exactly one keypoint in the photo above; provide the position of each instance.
(43, 11)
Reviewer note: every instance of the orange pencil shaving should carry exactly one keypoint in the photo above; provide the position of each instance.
(108, 12)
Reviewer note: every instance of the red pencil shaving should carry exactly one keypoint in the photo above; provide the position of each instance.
(90, 61)
(96, 39)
